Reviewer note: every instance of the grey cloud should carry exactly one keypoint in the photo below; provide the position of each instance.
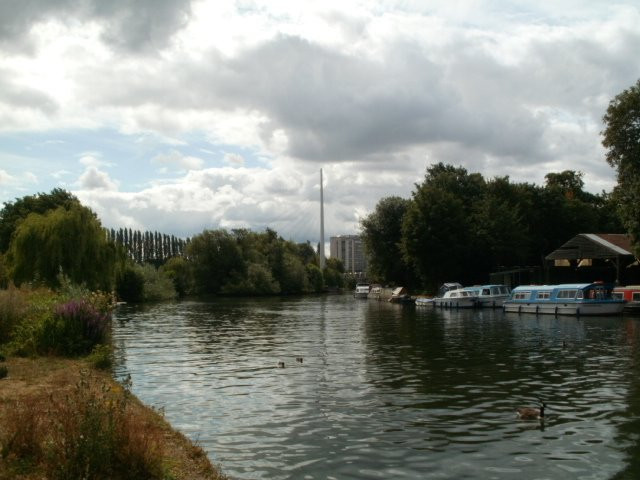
(142, 25)
(24, 97)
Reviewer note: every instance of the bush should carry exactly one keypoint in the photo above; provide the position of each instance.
(101, 357)
(12, 309)
(157, 286)
(130, 285)
(73, 329)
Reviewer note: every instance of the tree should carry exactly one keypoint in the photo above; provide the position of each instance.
(68, 241)
(215, 256)
(621, 138)
(381, 233)
(14, 212)
(437, 231)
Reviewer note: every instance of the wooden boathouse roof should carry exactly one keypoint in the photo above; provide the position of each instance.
(594, 245)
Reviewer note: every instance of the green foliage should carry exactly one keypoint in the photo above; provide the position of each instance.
(157, 286)
(180, 271)
(73, 329)
(458, 226)
(12, 310)
(45, 322)
(215, 257)
(130, 284)
(14, 212)
(316, 279)
(621, 138)
(101, 356)
(70, 240)
(382, 239)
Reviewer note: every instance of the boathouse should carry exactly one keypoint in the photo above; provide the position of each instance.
(589, 257)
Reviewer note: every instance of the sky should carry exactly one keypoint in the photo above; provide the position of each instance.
(184, 115)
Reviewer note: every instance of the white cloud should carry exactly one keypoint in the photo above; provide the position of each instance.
(5, 177)
(234, 159)
(179, 160)
(94, 179)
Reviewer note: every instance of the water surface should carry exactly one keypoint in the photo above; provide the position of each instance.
(374, 390)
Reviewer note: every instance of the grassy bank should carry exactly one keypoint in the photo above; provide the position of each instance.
(62, 415)
(60, 418)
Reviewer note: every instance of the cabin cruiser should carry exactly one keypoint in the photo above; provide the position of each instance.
(362, 290)
(566, 299)
(490, 296)
(452, 295)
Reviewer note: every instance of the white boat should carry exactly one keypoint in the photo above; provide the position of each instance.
(362, 290)
(425, 301)
(566, 299)
(454, 296)
(490, 296)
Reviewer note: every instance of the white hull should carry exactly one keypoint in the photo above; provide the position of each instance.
(459, 302)
(492, 302)
(560, 308)
(425, 302)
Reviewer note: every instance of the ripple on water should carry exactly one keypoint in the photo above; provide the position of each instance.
(384, 391)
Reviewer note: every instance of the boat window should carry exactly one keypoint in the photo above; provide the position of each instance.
(580, 295)
(567, 293)
(521, 295)
(504, 290)
(495, 290)
(635, 296)
(618, 295)
(543, 295)
(486, 291)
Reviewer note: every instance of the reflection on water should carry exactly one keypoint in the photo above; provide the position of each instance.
(374, 390)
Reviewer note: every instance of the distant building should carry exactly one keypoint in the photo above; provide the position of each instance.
(349, 249)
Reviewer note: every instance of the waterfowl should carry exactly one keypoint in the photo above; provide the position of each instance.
(299, 359)
(280, 364)
(531, 413)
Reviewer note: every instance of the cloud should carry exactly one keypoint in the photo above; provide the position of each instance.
(94, 179)
(234, 159)
(179, 160)
(140, 26)
(5, 177)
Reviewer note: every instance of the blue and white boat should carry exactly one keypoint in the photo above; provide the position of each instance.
(490, 296)
(566, 299)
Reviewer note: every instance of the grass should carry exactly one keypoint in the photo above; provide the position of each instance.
(60, 419)
(62, 415)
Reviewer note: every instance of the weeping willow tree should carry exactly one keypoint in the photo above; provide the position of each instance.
(70, 241)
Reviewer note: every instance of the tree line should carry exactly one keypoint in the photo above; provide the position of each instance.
(146, 246)
(50, 239)
(459, 226)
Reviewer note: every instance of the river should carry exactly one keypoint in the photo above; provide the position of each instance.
(375, 390)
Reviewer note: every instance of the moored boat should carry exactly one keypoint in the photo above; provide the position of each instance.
(452, 295)
(425, 301)
(630, 294)
(566, 299)
(490, 296)
(362, 290)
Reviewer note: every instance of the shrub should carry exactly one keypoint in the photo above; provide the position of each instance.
(12, 309)
(74, 329)
(130, 284)
(157, 286)
(101, 357)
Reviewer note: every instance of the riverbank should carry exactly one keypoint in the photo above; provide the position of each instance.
(41, 397)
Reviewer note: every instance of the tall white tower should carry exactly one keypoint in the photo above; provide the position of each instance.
(321, 246)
